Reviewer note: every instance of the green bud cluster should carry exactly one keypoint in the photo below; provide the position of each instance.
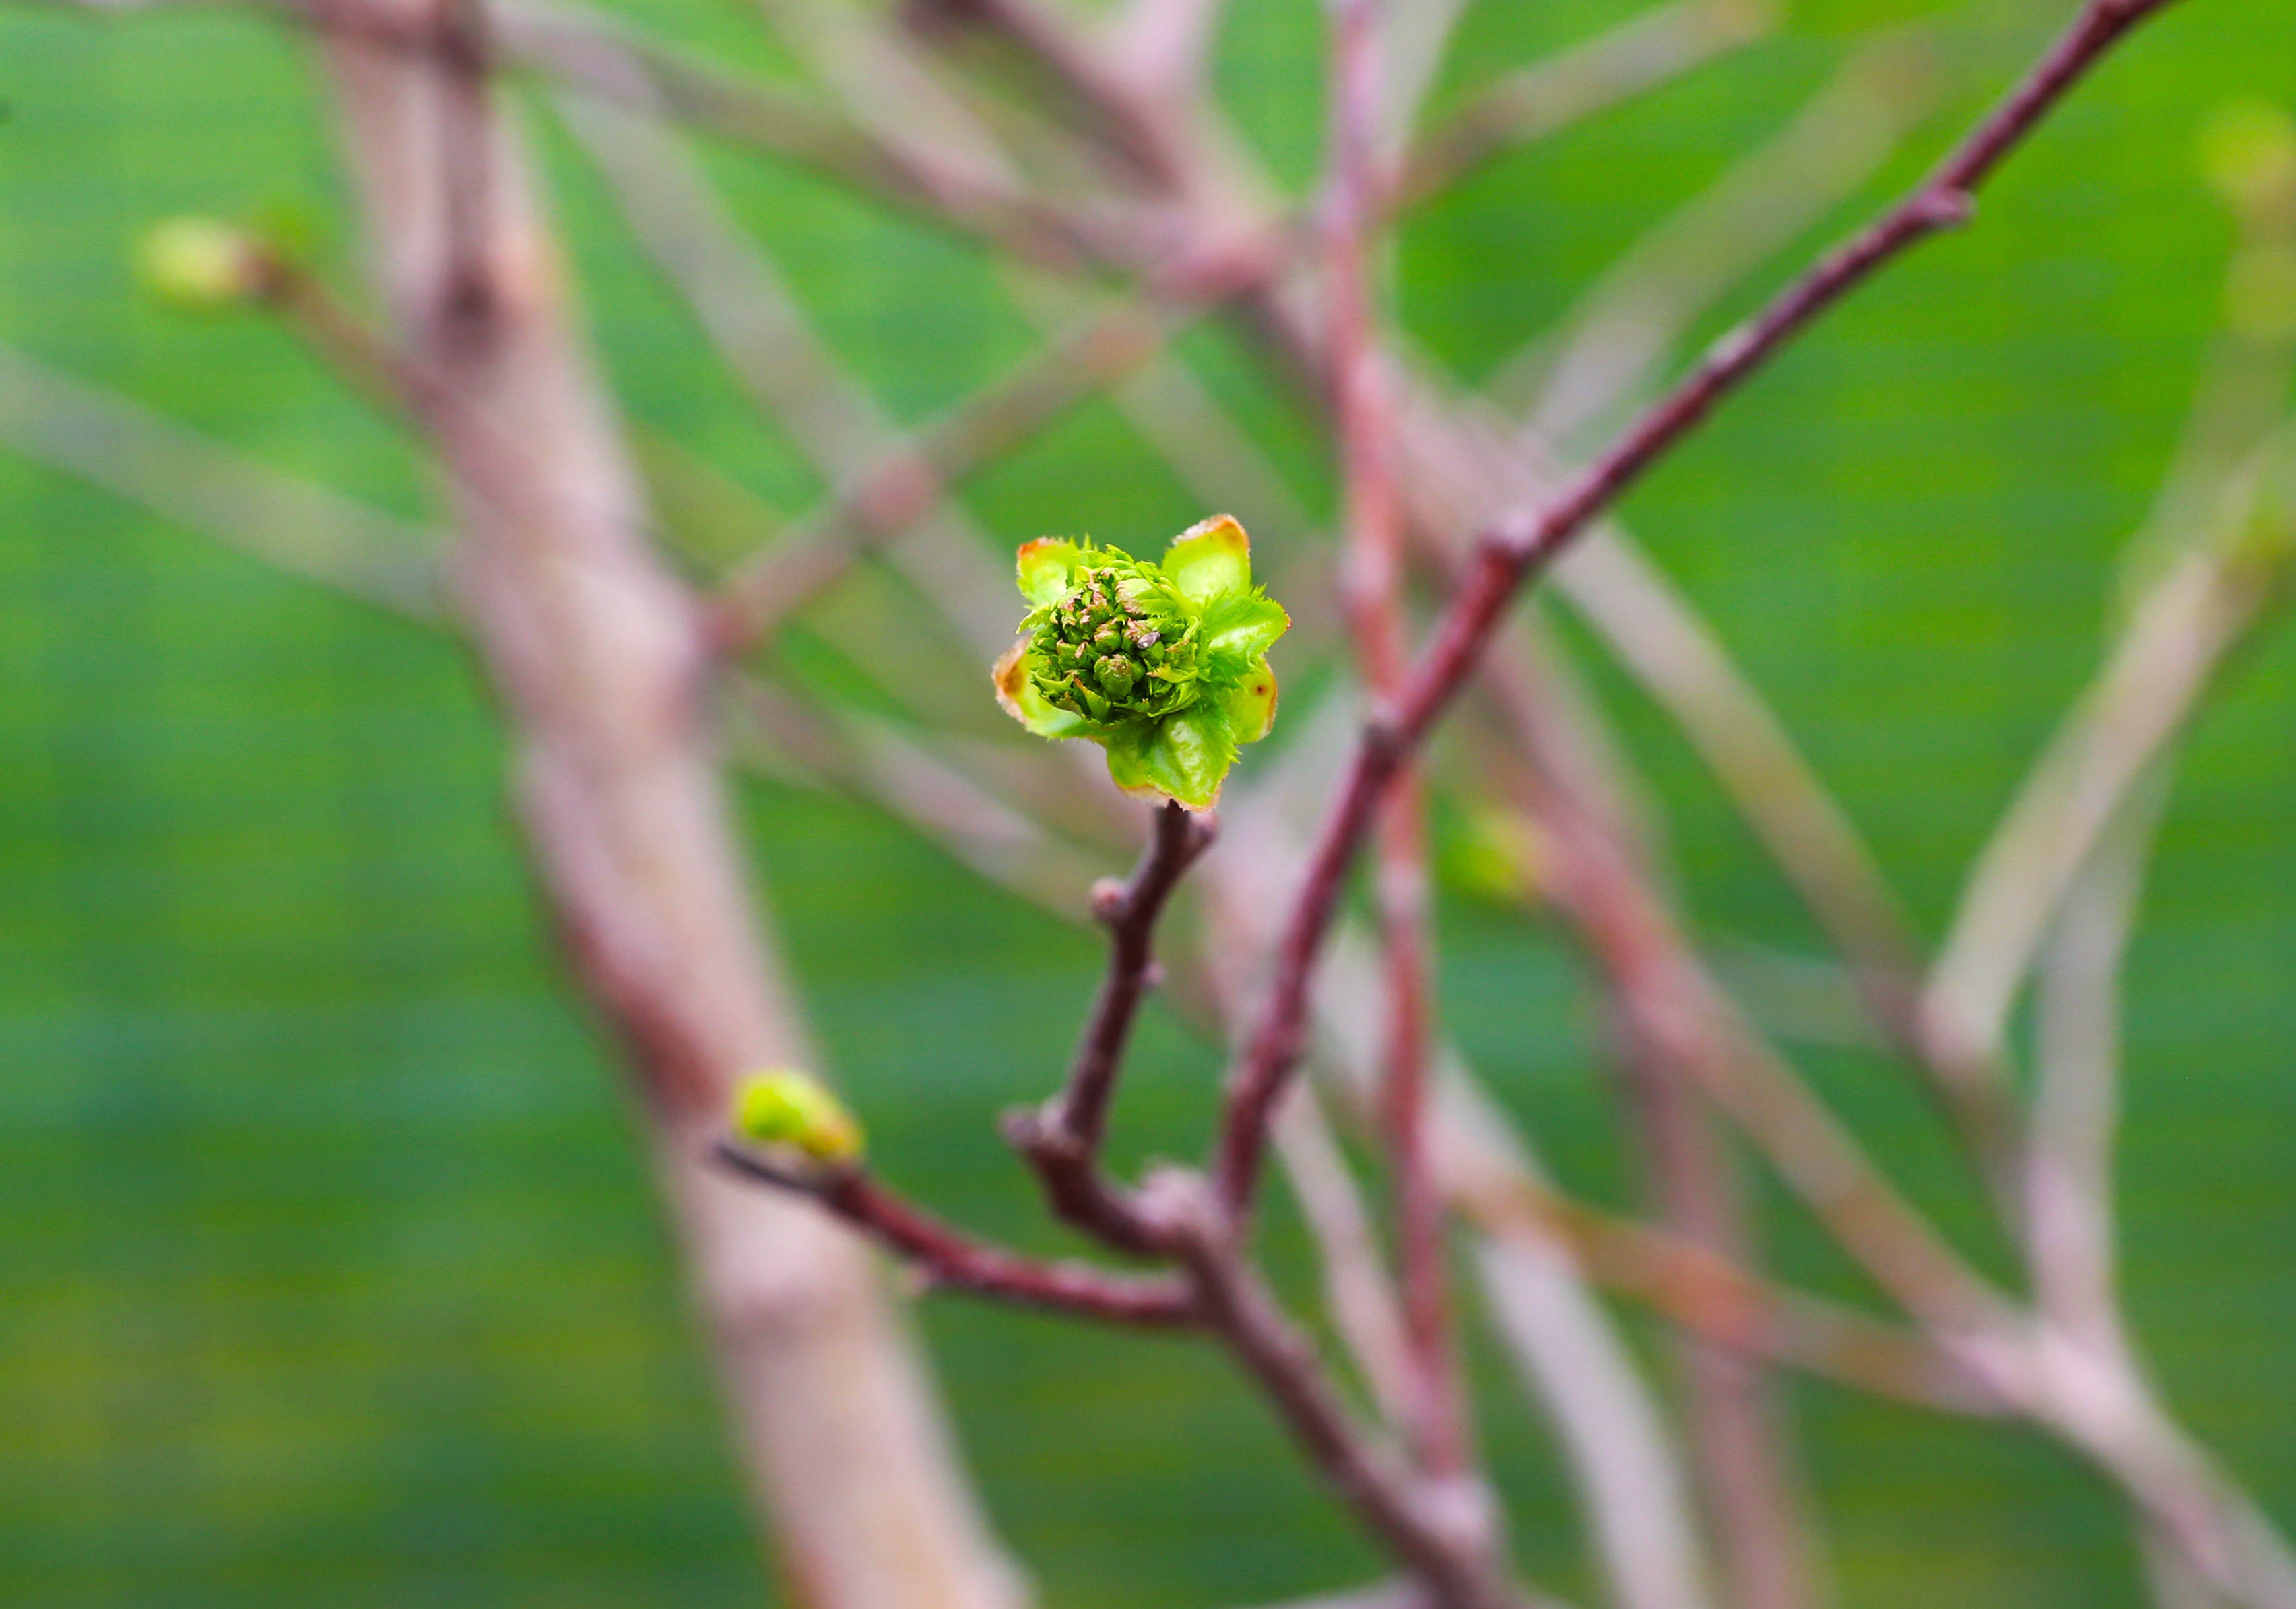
(1164, 665)
(1120, 643)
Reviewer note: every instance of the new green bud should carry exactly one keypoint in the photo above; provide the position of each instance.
(203, 265)
(786, 1107)
(1163, 665)
(2248, 153)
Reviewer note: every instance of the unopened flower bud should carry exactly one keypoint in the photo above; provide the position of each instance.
(203, 265)
(1116, 676)
(786, 1107)
(2248, 152)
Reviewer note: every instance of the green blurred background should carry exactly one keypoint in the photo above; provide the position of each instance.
(329, 1272)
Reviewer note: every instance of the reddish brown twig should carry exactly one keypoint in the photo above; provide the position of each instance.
(1373, 591)
(1061, 1137)
(1443, 1542)
(948, 1257)
(1744, 1465)
(1512, 549)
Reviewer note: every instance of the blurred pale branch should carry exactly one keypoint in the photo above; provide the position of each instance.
(146, 458)
(2192, 618)
(1637, 55)
(1608, 347)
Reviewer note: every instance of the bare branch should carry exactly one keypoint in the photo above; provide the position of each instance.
(2192, 618)
(1165, 45)
(1715, 1297)
(1187, 425)
(1608, 1423)
(1516, 548)
(1373, 593)
(593, 648)
(1620, 1455)
(1532, 102)
(601, 57)
(1622, 327)
(1062, 1138)
(1401, 1595)
(945, 1256)
(895, 93)
(300, 527)
(2075, 1075)
(1442, 1542)
(1744, 1469)
(1676, 657)
(1356, 1290)
(886, 501)
(1467, 465)
(1414, 41)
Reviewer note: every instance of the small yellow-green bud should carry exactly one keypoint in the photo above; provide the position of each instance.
(2248, 152)
(203, 265)
(786, 1107)
(2260, 294)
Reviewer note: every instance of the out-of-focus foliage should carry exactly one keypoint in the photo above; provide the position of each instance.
(328, 1271)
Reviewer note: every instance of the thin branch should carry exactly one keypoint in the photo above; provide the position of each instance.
(1658, 636)
(754, 320)
(915, 478)
(1357, 1293)
(1166, 45)
(1744, 1469)
(1468, 463)
(1619, 1452)
(1715, 1297)
(947, 1256)
(1373, 593)
(1622, 327)
(1062, 1138)
(1535, 101)
(601, 57)
(1440, 1540)
(1198, 435)
(1512, 549)
(2069, 1228)
(295, 524)
(1144, 121)
(1414, 41)
(1676, 1016)
(2192, 617)
(782, 733)
(897, 95)
(1399, 1594)
(1608, 1424)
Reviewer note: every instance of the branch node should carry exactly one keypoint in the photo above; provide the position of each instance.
(1111, 900)
(1945, 209)
(1177, 1205)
